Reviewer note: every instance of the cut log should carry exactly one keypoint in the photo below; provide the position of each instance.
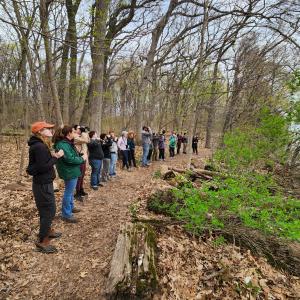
(206, 174)
(133, 272)
(166, 173)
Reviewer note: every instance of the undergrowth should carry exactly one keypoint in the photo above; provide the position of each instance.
(249, 196)
(233, 202)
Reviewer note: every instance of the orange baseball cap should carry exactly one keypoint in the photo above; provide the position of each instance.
(37, 126)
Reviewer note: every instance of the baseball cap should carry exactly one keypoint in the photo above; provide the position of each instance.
(37, 126)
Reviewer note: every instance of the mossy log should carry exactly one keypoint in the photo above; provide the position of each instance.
(133, 273)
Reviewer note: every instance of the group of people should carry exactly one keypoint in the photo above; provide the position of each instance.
(70, 148)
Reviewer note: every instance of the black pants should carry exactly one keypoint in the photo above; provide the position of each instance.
(161, 154)
(45, 203)
(149, 154)
(178, 148)
(172, 151)
(195, 148)
(132, 158)
(124, 154)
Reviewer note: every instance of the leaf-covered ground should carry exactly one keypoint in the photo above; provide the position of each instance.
(188, 268)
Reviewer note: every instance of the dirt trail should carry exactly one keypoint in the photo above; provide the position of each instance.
(80, 268)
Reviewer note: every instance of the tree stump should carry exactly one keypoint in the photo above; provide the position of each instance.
(133, 272)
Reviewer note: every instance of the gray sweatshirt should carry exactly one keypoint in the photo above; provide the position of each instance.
(146, 136)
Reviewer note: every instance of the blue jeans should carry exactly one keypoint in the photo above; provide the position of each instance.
(96, 171)
(68, 199)
(113, 163)
(145, 154)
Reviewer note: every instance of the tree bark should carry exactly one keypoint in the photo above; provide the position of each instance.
(49, 61)
(156, 34)
(96, 89)
(199, 78)
(24, 41)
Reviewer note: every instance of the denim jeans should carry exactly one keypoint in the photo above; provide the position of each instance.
(145, 154)
(113, 163)
(96, 171)
(68, 199)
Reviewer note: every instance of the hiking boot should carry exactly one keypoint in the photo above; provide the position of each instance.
(100, 184)
(70, 220)
(78, 197)
(75, 210)
(45, 247)
(54, 235)
(95, 187)
(83, 193)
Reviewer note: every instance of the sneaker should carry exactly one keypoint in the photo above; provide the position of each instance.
(70, 220)
(95, 187)
(100, 184)
(75, 210)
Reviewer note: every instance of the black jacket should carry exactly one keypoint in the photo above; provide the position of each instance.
(41, 162)
(95, 150)
(106, 147)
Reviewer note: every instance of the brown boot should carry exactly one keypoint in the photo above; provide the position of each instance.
(54, 235)
(45, 247)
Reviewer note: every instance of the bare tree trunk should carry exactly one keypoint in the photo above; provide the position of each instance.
(199, 78)
(49, 60)
(73, 86)
(156, 34)
(96, 88)
(62, 87)
(211, 108)
(26, 116)
(24, 37)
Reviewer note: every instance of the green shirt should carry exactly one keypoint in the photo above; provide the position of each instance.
(172, 141)
(68, 166)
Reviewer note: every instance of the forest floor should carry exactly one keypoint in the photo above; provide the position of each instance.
(187, 267)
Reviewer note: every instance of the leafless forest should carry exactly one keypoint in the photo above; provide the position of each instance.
(202, 66)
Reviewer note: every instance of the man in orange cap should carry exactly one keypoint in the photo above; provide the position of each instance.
(41, 167)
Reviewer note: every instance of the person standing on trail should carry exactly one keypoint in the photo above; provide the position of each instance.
(149, 156)
(131, 147)
(179, 142)
(124, 149)
(155, 140)
(113, 154)
(172, 144)
(162, 145)
(106, 144)
(81, 140)
(96, 156)
(146, 140)
(68, 168)
(185, 142)
(41, 167)
(195, 144)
